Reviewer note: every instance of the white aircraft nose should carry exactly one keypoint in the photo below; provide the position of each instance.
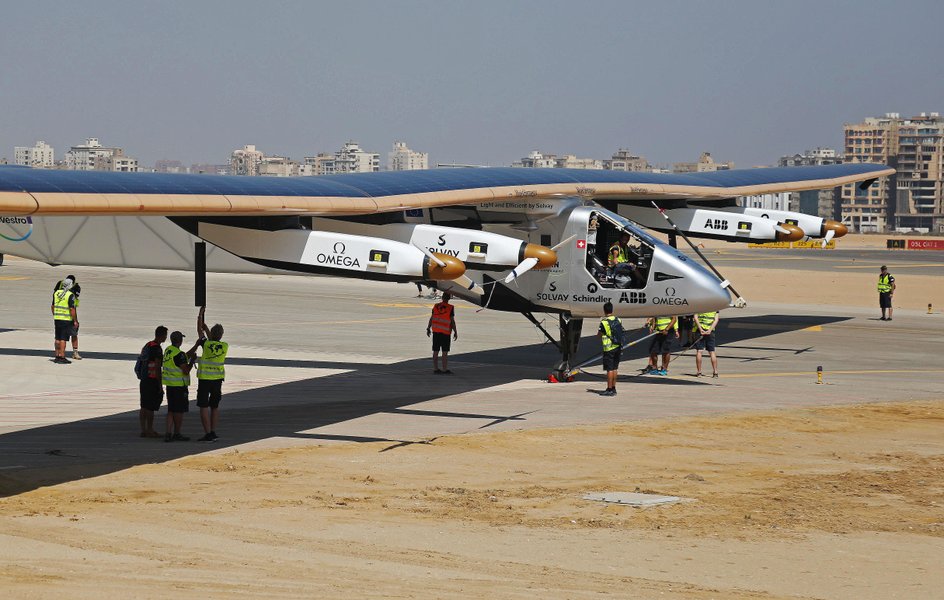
(684, 285)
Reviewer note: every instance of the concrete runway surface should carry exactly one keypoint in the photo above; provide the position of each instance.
(319, 360)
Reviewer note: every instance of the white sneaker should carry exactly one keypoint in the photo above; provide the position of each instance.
(76, 355)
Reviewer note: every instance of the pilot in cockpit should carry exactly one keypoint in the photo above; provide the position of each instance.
(624, 262)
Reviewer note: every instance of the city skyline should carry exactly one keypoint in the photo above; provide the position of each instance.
(475, 83)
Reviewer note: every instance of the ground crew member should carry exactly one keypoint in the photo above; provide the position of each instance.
(152, 394)
(886, 289)
(64, 318)
(441, 323)
(666, 330)
(612, 347)
(76, 290)
(210, 375)
(175, 375)
(705, 324)
(619, 251)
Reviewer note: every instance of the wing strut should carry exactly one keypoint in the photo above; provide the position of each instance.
(740, 302)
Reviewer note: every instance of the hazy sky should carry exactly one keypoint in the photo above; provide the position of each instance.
(476, 82)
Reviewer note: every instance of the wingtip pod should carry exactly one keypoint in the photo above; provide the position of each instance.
(545, 256)
(792, 233)
(452, 268)
(17, 204)
(836, 227)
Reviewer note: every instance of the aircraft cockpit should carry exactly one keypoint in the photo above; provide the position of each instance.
(618, 254)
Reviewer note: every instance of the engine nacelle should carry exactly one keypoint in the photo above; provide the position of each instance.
(813, 226)
(480, 250)
(718, 224)
(333, 253)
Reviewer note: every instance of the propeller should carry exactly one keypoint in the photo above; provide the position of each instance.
(830, 234)
(534, 256)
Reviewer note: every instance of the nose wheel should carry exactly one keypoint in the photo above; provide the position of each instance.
(570, 329)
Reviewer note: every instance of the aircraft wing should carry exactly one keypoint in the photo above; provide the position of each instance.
(34, 192)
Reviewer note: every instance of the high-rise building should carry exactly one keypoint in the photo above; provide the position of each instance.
(41, 155)
(245, 161)
(404, 159)
(919, 190)
(875, 140)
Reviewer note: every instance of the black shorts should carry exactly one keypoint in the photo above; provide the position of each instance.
(884, 301)
(441, 341)
(152, 394)
(63, 330)
(662, 343)
(178, 400)
(209, 393)
(707, 342)
(611, 359)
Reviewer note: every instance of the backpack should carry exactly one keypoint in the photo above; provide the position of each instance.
(617, 333)
(141, 363)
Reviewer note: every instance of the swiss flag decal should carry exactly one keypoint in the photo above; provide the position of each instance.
(581, 244)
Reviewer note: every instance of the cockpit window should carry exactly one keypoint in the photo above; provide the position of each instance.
(618, 254)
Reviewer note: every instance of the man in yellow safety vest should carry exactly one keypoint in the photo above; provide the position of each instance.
(175, 375)
(886, 289)
(65, 318)
(705, 324)
(612, 347)
(210, 376)
(666, 330)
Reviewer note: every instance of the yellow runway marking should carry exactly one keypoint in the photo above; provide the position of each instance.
(812, 374)
(13, 278)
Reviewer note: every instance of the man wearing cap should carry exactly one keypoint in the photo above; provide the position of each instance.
(886, 289)
(76, 289)
(175, 375)
(64, 317)
(210, 375)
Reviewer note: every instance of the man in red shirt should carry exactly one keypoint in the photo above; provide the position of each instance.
(441, 323)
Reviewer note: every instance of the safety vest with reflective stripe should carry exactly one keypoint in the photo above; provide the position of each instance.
(884, 285)
(608, 342)
(210, 366)
(60, 302)
(442, 318)
(622, 254)
(705, 319)
(171, 374)
(662, 324)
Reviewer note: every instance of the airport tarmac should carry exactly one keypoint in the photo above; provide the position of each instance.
(346, 467)
(319, 360)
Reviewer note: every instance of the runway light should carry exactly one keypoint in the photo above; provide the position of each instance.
(929, 308)
(819, 374)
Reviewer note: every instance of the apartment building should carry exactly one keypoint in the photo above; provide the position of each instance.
(92, 156)
(41, 155)
(245, 161)
(402, 158)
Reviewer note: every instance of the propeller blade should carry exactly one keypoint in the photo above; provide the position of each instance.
(830, 233)
(468, 284)
(525, 266)
(429, 255)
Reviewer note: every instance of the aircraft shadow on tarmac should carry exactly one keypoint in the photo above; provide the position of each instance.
(54, 454)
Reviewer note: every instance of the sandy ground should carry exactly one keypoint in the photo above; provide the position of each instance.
(815, 503)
